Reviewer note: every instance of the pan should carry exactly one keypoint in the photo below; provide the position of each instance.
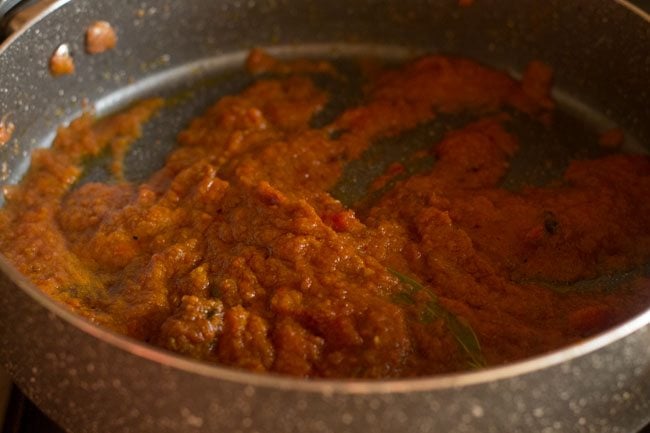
(91, 380)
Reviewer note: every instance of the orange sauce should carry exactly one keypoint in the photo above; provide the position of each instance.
(236, 253)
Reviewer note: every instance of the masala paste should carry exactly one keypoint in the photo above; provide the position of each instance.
(235, 252)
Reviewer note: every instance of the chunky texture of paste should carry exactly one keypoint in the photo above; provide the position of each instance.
(236, 253)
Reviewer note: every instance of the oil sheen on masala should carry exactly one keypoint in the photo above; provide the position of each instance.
(236, 253)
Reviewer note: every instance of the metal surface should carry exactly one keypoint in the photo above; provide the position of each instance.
(15, 15)
(6, 6)
(90, 380)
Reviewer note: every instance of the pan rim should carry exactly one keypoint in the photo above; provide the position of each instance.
(635, 9)
(161, 357)
(42, 14)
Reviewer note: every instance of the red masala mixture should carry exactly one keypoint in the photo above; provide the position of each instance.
(235, 253)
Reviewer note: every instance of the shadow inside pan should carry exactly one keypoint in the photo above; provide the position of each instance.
(190, 89)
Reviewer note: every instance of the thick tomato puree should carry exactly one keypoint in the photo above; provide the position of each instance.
(235, 253)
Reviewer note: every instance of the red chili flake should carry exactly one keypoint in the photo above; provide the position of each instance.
(339, 221)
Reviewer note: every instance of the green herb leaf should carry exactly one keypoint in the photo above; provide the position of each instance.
(411, 285)
(403, 298)
(603, 284)
(460, 329)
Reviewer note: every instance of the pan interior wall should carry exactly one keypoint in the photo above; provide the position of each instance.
(597, 49)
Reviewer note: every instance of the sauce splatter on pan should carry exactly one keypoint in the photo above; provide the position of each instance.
(6, 130)
(100, 37)
(62, 62)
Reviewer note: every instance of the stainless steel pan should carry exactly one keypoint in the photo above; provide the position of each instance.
(90, 380)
